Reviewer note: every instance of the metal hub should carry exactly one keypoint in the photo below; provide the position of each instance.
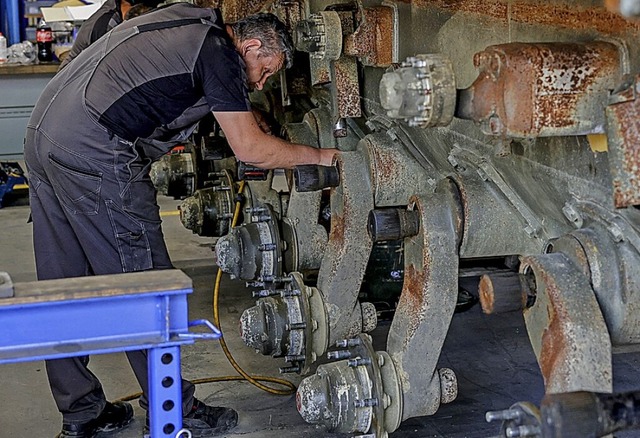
(360, 393)
(290, 322)
(253, 250)
(422, 91)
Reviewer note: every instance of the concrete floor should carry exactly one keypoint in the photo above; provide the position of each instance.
(491, 356)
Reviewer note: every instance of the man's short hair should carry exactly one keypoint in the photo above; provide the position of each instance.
(270, 31)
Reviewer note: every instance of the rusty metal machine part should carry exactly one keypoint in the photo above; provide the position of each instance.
(533, 187)
(567, 88)
(589, 414)
(566, 327)
(360, 393)
(317, 35)
(209, 211)
(253, 250)
(374, 40)
(174, 175)
(623, 131)
(421, 92)
(310, 178)
(290, 322)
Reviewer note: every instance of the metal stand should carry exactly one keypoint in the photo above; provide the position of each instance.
(105, 314)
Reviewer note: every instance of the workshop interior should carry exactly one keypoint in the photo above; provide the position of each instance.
(489, 171)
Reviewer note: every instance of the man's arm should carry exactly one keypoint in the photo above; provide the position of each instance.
(254, 147)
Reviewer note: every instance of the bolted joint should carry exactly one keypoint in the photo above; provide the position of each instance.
(295, 358)
(366, 403)
(267, 247)
(359, 362)
(393, 224)
(288, 293)
(310, 178)
(266, 293)
(346, 343)
(338, 355)
(289, 370)
(296, 326)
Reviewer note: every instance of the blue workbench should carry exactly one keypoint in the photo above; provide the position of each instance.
(104, 314)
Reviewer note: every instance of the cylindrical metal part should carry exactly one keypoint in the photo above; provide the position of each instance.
(569, 85)
(309, 178)
(392, 224)
(589, 414)
(500, 293)
(262, 327)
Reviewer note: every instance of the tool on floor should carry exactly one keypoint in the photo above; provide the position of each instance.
(580, 414)
(69, 317)
(12, 181)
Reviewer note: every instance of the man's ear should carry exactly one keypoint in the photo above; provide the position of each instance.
(250, 44)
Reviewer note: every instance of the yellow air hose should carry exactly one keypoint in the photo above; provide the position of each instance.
(254, 380)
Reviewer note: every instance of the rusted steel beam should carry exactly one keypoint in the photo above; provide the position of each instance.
(623, 132)
(346, 87)
(542, 89)
(373, 40)
(566, 327)
(561, 16)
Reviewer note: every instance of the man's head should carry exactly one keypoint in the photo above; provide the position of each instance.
(264, 44)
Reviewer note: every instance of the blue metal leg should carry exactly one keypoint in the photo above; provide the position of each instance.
(165, 392)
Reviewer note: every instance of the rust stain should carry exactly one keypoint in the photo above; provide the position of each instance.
(234, 10)
(624, 141)
(347, 87)
(372, 41)
(338, 228)
(562, 16)
(486, 293)
(388, 170)
(545, 88)
(554, 348)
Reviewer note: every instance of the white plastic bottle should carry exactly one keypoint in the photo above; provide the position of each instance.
(4, 53)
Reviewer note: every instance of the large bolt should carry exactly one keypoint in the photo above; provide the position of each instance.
(294, 358)
(393, 224)
(522, 431)
(366, 403)
(338, 355)
(506, 414)
(266, 293)
(288, 370)
(310, 178)
(345, 343)
(340, 128)
(359, 362)
(296, 326)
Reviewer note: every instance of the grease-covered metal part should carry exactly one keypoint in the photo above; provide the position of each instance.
(209, 211)
(174, 175)
(290, 322)
(359, 394)
(421, 92)
(542, 89)
(623, 134)
(566, 327)
(254, 249)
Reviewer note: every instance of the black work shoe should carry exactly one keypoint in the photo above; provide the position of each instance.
(205, 421)
(114, 416)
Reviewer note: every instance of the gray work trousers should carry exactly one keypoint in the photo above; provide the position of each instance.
(94, 212)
